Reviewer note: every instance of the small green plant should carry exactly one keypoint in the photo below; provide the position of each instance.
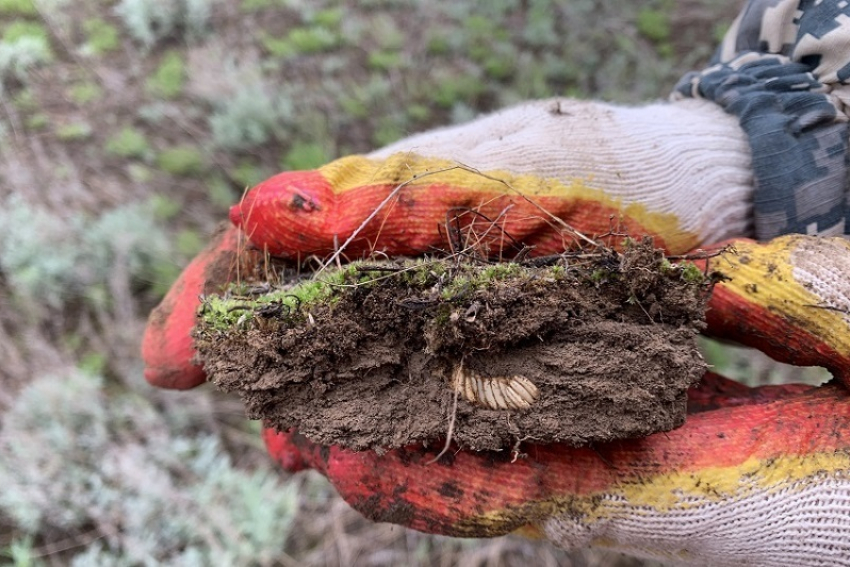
(220, 192)
(129, 143)
(92, 363)
(165, 207)
(390, 127)
(139, 173)
(450, 90)
(481, 28)
(540, 28)
(329, 18)
(600, 276)
(254, 5)
(301, 41)
(279, 47)
(439, 43)
(354, 106)
(168, 79)
(313, 39)
(460, 286)
(499, 67)
(38, 121)
(248, 173)
(418, 112)
(387, 33)
(691, 273)
(101, 36)
(305, 155)
(25, 100)
(18, 8)
(24, 28)
(181, 160)
(654, 24)
(188, 242)
(386, 60)
(499, 271)
(20, 553)
(74, 131)
(84, 93)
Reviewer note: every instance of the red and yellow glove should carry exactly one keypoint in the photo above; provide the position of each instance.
(755, 475)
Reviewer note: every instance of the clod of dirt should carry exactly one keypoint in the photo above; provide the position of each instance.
(586, 348)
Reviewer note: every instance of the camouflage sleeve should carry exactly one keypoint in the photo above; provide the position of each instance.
(783, 70)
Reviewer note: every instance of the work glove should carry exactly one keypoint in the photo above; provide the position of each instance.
(756, 475)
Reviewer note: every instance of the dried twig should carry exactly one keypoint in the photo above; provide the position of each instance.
(393, 194)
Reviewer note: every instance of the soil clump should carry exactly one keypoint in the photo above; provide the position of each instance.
(381, 355)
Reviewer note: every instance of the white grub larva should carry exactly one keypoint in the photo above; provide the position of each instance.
(516, 392)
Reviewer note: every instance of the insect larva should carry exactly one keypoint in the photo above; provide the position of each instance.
(516, 392)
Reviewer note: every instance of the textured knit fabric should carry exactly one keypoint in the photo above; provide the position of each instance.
(783, 70)
(688, 159)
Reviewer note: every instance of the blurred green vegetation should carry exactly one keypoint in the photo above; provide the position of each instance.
(169, 77)
(84, 93)
(128, 142)
(102, 37)
(18, 8)
(183, 160)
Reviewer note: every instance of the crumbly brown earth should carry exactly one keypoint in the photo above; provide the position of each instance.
(609, 342)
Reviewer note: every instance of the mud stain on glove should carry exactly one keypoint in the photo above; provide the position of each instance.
(582, 349)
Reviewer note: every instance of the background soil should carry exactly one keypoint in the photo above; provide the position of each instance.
(127, 128)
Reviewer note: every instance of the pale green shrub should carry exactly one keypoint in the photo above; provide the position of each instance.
(150, 21)
(250, 117)
(19, 56)
(157, 492)
(49, 260)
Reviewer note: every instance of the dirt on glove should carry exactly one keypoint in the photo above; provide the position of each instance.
(580, 348)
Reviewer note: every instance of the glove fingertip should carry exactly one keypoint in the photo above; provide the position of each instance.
(282, 449)
(286, 213)
(167, 349)
(167, 345)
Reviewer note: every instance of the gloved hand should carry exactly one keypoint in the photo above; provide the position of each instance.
(755, 475)
(680, 172)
